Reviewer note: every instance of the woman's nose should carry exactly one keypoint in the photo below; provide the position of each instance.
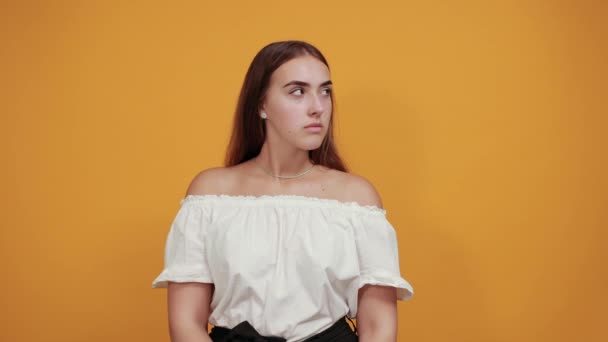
(317, 105)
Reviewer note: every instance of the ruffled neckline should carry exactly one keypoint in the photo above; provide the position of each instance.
(311, 200)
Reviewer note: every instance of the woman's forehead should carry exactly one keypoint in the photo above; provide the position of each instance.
(305, 68)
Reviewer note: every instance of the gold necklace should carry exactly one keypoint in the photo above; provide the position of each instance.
(283, 177)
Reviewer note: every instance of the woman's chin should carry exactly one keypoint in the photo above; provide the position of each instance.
(311, 144)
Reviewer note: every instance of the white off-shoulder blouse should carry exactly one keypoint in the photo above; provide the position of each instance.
(291, 265)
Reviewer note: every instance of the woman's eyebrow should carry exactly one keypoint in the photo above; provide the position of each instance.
(304, 84)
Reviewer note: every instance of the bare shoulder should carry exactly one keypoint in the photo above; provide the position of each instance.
(359, 189)
(210, 181)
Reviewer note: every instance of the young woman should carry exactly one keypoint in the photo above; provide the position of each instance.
(282, 244)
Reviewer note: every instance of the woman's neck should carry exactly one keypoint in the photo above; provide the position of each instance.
(283, 161)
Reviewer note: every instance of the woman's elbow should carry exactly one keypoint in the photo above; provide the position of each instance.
(187, 331)
(378, 332)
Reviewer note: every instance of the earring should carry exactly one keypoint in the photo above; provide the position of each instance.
(263, 115)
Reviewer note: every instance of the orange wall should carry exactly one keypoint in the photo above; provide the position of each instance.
(482, 124)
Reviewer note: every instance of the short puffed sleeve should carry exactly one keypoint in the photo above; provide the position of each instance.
(185, 253)
(378, 253)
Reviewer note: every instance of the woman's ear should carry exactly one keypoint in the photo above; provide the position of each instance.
(262, 112)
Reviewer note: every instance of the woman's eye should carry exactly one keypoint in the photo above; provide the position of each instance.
(327, 91)
(295, 92)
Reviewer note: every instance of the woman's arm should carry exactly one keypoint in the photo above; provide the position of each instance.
(188, 309)
(377, 314)
(377, 305)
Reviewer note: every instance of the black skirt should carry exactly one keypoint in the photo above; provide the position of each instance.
(338, 332)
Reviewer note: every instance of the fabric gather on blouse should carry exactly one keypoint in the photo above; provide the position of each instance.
(290, 265)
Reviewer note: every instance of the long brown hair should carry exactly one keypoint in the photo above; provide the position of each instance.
(249, 131)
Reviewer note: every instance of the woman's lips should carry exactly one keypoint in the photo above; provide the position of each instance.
(314, 128)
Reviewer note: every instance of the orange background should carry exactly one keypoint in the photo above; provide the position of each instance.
(481, 123)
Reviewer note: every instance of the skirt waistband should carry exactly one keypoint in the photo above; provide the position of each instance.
(338, 332)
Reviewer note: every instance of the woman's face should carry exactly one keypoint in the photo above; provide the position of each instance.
(299, 94)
